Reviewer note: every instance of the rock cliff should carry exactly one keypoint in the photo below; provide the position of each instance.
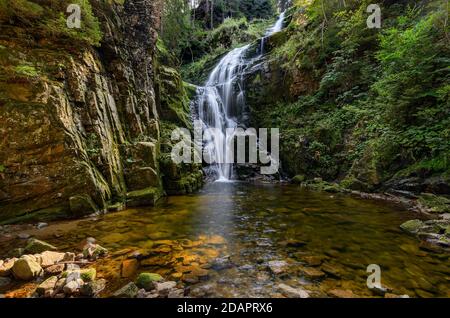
(79, 120)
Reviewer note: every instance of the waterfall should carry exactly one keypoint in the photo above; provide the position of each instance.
(274, 29)
(221, 103)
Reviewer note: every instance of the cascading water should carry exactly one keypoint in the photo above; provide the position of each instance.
(274, 29)
(221, 102)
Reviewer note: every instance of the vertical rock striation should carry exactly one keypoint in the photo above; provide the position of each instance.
(79, 126)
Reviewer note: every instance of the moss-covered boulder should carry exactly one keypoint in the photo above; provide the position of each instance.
(35, 246)
(147, 280)
(412, 226)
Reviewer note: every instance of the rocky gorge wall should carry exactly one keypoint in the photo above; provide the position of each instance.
(79, 122)
(327, 112)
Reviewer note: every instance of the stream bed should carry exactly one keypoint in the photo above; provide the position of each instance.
(238, 239)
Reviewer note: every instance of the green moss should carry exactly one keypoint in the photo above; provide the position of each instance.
(26, 70)
(88, 275)
(146, 280)
(434, 203)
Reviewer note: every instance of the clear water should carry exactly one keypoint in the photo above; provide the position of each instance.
(254, 224)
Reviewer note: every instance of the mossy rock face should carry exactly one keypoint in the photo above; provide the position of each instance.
(82, 205)
(148, 196)
(68, 110)
(147, 280)
(433, 203)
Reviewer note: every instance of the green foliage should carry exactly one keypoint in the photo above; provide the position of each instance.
(381, 102)
(48, 18)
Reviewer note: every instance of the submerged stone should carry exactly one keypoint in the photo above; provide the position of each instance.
(35, 246)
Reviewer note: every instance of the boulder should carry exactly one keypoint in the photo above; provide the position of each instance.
(47, 285)
(6, 267)
(49, 258)
(72, 287)
(92, 289)
(148, 280)
(163, 289)
(26, 268)
(35, 246)
(130, 290)
(54, 269)
(291, 292)
(412, 226)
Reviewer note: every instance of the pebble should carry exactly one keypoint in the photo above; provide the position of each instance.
(41, 225)
(291, 292)
(23, 236)
(277, 267)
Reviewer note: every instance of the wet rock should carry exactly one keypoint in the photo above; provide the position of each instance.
(380, 290)
(41, 225)
(341, 293)
(35, 246)
(221, 263)
(434, 204)
(49, 258)
(69, 257)
(47, 285)
(94, 251)
(313, 273)
(277, 267)
(313, 260)
(23, 236)
(147, 280)
(4, 281)
(54, 269)
(26, 268)
(164, 288)
(72, 287)
(291, 292)
(190, 279)
(201, 291)
(412, 226)
(129, 267)
(246, 267)
(92, 289)
(6, 267)
(130, 290)
(176, 293)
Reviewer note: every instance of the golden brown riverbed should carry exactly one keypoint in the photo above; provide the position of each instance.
(327, 241)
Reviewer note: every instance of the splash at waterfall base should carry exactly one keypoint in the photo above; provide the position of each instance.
(236, 146)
